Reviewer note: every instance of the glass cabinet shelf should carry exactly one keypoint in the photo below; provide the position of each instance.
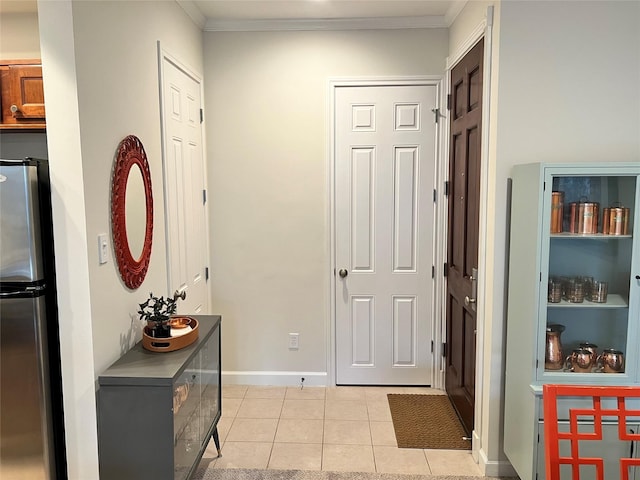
(600, 236)
(613, 301)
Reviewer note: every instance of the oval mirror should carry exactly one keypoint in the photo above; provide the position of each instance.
(135, 211)
(132, 211)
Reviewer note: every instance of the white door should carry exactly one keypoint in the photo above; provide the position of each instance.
(185, 190)
(385, 140)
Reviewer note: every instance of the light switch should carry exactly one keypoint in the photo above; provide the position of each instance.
(103, 248)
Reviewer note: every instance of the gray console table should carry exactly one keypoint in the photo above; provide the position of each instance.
(157, 411)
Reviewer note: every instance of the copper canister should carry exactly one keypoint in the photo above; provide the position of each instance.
(584, 217)
(606, 215)
(619, 221)
(557, 200)
(627, 215)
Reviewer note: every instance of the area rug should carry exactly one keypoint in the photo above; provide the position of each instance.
(426, 421)
(251, 474)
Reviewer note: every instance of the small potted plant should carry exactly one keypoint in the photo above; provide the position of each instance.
(157, 311)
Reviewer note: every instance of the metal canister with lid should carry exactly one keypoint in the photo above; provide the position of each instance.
(615, 221)
(584, 217)
(557, 200)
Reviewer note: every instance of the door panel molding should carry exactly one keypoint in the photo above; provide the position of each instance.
(484, 387)
(464, 178)
(366, 120)
(184, 105)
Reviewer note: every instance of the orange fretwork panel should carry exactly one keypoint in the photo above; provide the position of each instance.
(596, 413)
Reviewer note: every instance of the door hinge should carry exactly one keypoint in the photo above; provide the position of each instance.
(448, 101)
(446, 188)
(445, 270)
(435, 195)
(204, 196)
(206, 273)
(540, 276)
(444, 349)
(201, 115)
(544, 186)
(537, 363)
(431, 346)
(433, 271)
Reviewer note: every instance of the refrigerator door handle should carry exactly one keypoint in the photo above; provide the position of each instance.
(28, 291)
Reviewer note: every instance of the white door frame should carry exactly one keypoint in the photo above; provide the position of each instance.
(163, 55)
(334, 83)
(484, 29)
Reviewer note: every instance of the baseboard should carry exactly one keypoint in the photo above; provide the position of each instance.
(281, 379)
(493, 468)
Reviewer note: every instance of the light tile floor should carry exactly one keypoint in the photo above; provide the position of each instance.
(318, 428)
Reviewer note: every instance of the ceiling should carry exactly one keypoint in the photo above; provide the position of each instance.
(319, 9)
(225, 14)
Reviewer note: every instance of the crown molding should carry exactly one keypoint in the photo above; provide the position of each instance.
(192, 10)
(327, 24)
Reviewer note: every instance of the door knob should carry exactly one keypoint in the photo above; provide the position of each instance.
(177, 294)
(468, 300)
(343, 272)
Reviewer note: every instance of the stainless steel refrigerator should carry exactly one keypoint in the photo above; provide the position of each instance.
(31, 417)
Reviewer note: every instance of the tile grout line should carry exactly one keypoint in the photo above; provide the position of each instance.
(373, 452)
(324, 416)
(273, 444)
(424, 452)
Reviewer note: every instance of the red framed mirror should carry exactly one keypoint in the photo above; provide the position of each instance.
(132, 211)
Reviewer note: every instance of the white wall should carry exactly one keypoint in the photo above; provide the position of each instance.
(101, 84)
(118, 93)
(267, 134)
(19, 36)
(566, 91)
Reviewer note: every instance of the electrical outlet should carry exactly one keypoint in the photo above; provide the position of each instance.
(293, 341)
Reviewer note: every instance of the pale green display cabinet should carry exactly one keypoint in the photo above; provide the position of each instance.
(566, 253)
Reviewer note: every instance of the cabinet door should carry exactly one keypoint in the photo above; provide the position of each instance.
(186, 418)
(589, 292)
(22, 95)
(610, 449)
(210, 376)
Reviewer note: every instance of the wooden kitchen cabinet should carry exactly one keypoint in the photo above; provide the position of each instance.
(22, 95)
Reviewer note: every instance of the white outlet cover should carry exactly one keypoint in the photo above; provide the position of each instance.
(103, 248)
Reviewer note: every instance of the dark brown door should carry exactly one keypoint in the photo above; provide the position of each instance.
(462, 257)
